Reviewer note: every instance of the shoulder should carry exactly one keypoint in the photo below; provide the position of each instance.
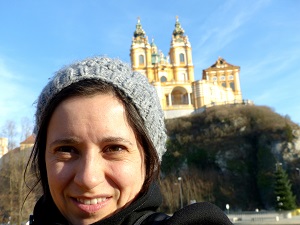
(203, 213)
(155, 218)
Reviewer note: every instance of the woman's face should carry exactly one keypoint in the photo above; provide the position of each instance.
(95, 165)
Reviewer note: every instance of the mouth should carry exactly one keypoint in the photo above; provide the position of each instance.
(93, 201)
(91, 205)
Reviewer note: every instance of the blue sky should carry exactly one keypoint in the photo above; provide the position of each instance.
(38, 37)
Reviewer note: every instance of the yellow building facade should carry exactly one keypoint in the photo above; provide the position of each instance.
(3, 146)
(26, 144)
(173, 75)
(220, 85)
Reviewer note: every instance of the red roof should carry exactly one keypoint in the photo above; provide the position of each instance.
(29, 140)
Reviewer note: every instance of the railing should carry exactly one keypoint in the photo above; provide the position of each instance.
(270, 217)
(242, 102)
(182, 106)
(235, 102)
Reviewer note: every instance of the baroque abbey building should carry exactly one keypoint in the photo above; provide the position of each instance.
(173, 75)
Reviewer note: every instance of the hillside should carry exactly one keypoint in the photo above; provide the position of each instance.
(233, 152)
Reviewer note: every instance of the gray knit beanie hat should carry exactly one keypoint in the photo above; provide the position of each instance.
(119, 74)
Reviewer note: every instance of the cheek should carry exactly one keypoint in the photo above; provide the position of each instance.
(129, 176)
(58, 175)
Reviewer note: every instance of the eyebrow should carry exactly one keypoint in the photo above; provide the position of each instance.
(116, 139)
(64, 141)
(74, 141)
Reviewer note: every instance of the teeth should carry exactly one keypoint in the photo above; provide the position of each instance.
(93, 201)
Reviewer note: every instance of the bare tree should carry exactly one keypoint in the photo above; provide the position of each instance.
(26, 128)
(195, 187)
(171, 194)
(13, 190)
(9, 130)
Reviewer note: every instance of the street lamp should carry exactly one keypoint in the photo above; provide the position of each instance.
(180, 192)
(227, 207)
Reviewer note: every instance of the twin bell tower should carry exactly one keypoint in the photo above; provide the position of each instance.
(173, 75)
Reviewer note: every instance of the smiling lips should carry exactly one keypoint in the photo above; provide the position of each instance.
(93, 201)
(91, 205)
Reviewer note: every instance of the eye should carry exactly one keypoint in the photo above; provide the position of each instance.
(66, 149)
(66, 153)
(114, 149)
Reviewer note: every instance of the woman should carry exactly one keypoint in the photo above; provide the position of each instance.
(100, 137)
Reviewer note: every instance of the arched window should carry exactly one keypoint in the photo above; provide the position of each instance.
(181, 58)
(141, 60)
(180, 96)
(163, 79)
(224, 84)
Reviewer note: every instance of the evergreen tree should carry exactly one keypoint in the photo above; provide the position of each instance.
(285, 200)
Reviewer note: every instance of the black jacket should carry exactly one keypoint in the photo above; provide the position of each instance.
(140, 212)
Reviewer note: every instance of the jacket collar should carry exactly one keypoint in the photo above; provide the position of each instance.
(46, 212)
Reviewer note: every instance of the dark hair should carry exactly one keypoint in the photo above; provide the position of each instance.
(90, 87)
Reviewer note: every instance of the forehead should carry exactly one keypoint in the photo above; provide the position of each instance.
(89, 114)
(99, 105)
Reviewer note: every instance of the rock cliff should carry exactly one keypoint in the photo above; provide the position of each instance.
(243, 145)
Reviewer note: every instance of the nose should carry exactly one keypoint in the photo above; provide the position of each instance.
(89, 171)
